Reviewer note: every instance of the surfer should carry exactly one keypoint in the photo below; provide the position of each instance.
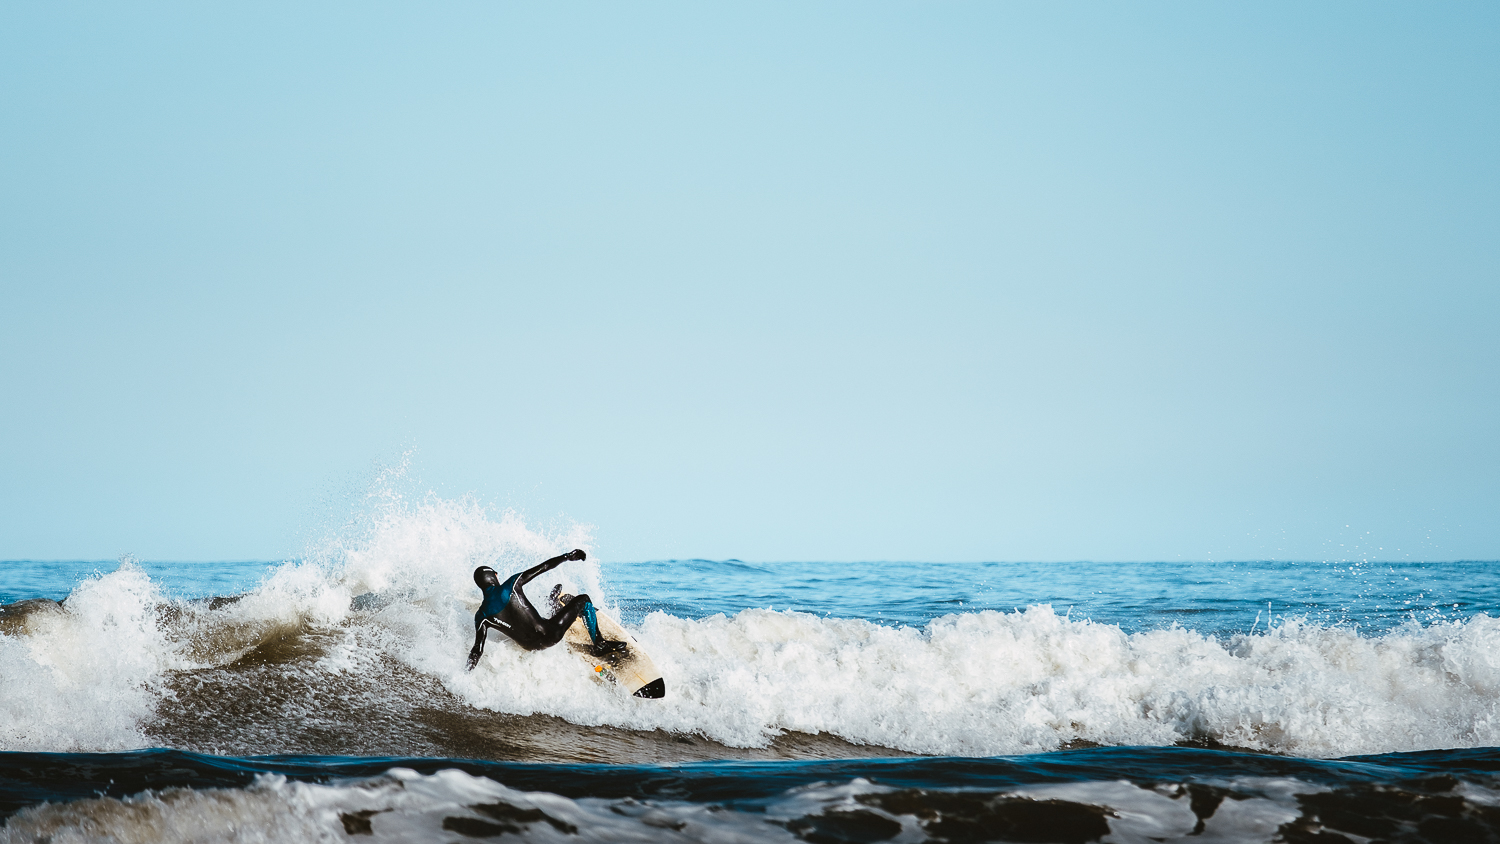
(507, 609)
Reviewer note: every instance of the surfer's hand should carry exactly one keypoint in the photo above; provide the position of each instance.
(576, 554)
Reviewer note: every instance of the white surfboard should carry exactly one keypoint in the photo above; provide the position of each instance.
(632, 669)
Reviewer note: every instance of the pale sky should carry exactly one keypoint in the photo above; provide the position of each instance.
(766, 281)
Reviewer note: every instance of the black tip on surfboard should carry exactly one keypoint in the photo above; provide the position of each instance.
(654, 689)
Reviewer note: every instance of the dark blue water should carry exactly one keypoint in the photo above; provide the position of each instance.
(1081, 795)
(1210, 597)
(54, 579)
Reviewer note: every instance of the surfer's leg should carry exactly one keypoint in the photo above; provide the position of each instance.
(558, 625)
(555, 627)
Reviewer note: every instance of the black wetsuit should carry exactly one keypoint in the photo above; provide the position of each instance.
(507, 609)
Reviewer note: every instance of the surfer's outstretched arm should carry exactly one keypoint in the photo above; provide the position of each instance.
(527, 575)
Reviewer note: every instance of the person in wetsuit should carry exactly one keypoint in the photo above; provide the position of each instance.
(507, 609)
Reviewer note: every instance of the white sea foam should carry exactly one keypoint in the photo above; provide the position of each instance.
(997, 683)
(85, 677)
(978, 684)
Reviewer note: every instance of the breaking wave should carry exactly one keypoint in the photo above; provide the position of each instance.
(345, 650)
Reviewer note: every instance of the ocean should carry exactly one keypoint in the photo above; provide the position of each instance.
(324, 698)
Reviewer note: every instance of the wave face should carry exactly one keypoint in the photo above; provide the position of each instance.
(359, 649)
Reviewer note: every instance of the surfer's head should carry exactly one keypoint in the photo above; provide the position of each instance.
(485, 576)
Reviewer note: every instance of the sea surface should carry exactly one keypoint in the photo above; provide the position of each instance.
(324, 698)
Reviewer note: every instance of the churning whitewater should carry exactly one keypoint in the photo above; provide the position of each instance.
(358, 648)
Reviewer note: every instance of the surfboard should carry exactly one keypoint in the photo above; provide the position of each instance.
(631, 668)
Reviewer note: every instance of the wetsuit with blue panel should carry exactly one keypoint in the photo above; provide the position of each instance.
(506, 608)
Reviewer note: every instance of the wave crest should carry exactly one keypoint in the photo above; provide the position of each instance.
(322, 636)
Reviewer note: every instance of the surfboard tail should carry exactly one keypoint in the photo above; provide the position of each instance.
(627, 666)
(655, 689)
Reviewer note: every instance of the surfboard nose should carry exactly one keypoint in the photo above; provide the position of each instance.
(655, 689)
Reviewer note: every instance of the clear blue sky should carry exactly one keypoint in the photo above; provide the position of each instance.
(768, 281)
